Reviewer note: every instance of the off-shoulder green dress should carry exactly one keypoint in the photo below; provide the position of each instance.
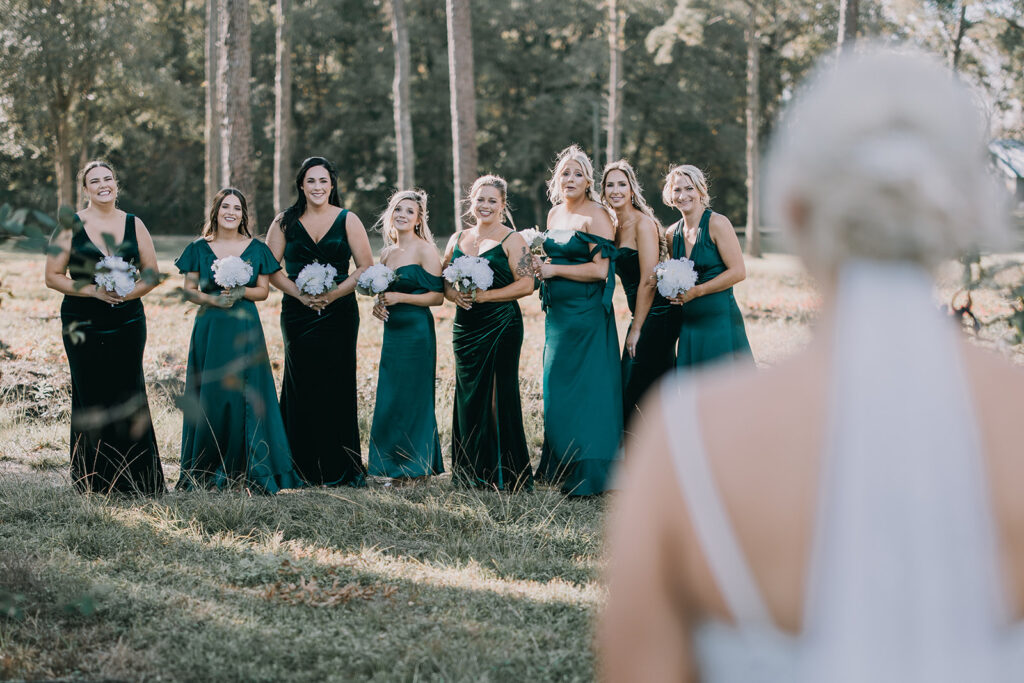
(582, 380)
(488, 441)
(403, 437)
(656, 349)
(711, 326)
(232, 432)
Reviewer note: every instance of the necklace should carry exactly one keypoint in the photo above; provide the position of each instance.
(476, 240)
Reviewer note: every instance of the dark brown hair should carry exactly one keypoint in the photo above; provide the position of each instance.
(210, 228)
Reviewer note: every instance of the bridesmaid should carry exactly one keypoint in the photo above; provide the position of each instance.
(318, 390)
(712, 326)
(403, 437)
(235, 435)
(113, 447)
(488, 441)
(650, 348)
(582, 382)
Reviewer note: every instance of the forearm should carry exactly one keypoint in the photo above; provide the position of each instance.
(644, 299)
(582, 272)
(517, 290)
(721, 282)
(67, 286)
(450, 292)
(426, 299)
(257, 293)
(281, 281)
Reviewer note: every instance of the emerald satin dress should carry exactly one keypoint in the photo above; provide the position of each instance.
(113, 446)
(582, 379)
(403, 436)
(232, 432)
(656, 349)
(711, 325)
(488, 441)
(318, 390)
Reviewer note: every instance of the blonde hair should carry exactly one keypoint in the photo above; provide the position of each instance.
(498, 183)
(636, 197)
(695, 175)
(885, 155)
(386, 222)
(571, 153)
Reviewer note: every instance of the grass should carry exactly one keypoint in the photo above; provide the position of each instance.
(427, 582)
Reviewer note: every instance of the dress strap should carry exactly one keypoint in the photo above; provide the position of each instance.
(707, 512)
(505, 238)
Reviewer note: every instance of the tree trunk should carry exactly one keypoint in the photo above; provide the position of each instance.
(616, 25)
(463, 100)
(283, 125)
(236, 126)
(849, 15)
(212, 124)
(958, 36)
(753, 114)
(62, 158)
(405, 159)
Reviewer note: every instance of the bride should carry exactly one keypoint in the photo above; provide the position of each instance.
(855, 513)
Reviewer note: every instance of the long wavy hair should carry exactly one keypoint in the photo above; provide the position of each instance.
(636, 197)
(498, 183)
(386, 222)
(210, 227)
(291, 215)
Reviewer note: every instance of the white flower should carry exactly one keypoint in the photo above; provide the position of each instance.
(675, 276)
(561, 236)
(534, 239)
(375, 279)
(231, 271)
(114, 274)
(469, 273)
(315, 278)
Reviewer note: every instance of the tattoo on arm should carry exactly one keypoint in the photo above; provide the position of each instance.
(525, 265)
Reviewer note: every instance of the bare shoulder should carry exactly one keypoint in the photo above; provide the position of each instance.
(600, 221)
(719, 223)
(352, 220)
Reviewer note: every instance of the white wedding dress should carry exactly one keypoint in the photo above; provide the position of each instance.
(904, 583)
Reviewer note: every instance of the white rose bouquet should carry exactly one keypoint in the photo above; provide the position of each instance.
(316, 278)
(231, 272)
(534, 239)
(114, 274)
(375, 279)
(675, 276)
(469, 274)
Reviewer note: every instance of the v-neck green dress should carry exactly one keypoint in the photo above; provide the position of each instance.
(488, 440)
(318, 389)
(711, 326)
(582, 380)
(113, 446)
(656, 349)
(403, 437)
(232, 433)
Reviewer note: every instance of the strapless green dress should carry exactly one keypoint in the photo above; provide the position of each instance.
(232, 432)
(582, 380)
(403, 437)
(318, 389)
(488, 441)
(711, 326)
(113, 446)
(656, 349)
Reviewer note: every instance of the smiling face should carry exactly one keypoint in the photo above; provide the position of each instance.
(100, 185)
(406, 216)
(487, 205)
(572, 181)
(685, 195)
(229, 215)
(617, 192)
(316, 185)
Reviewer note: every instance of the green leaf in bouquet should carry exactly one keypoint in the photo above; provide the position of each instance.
(152, 277)
(44, 219)
(65, 217)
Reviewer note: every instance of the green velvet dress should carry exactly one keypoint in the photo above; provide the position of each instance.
(656, 348)
(582, 379)
(403, 437)
(711, 326)
(318, 389)
(488, 441)
(113, 446)
(232, 432)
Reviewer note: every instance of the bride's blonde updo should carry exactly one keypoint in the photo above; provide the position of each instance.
(882, 157)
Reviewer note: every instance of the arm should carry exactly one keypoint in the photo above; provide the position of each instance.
(643, 633)
(521, 261)
(594, 271)
(147, 262)
(648, 247)
(192, 294)
(724, 237)
(261, 291)
(280, 279)
(359, 243)
(458, 298)
(57, 279)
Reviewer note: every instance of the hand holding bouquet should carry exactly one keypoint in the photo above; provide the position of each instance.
(114, 274)
(375, 279)
(233, 274)
(468, 274)
(315, 279)
(675, 276)
(534, 240)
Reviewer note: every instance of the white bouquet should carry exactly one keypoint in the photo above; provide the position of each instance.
(469, 273)
(675, 276)
(534, 239)
(231, 271)
(375, 279)
(315, 278)
(114, 274)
